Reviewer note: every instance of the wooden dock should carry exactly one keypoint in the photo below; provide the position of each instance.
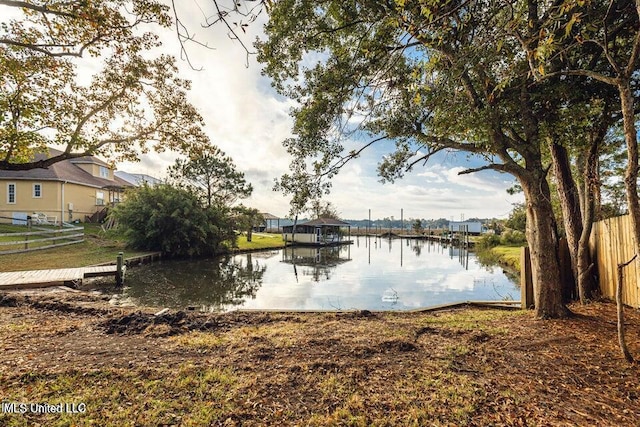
(55, 277)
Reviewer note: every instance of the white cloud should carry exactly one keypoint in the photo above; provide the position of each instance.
(432, 176)
(476, 181)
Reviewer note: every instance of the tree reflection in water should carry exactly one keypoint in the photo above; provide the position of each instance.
(209, 285)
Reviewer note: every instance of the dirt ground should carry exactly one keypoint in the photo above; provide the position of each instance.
(460, 367)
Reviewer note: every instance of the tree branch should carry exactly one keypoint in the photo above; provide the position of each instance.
(42, 9)
(40, 164)
(184, 36)
(402, 47)
(335, 30)
(233, 36)
(346, 159)
(424, 158)
(584, 73)
(442, 142)
(500, 167)
(633, 59)
(41, 48)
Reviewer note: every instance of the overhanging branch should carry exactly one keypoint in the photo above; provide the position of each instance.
(346, 159)
(37, 8)
(493, 166)
(424, 158)
(41, 49)
(584, 73)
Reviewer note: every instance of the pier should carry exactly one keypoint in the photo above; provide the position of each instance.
(54, 277)
(73, 276)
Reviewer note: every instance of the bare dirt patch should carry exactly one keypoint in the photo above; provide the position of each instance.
(462, 367)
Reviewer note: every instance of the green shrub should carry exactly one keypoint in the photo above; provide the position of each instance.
(172, 220)
(513, 238)
(487, 241)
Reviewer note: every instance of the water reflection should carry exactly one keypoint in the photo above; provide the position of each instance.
(373, 273)
(205, 284)
(317, 263)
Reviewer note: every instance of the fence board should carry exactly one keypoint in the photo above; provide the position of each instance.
(613, 243)
(39, 248)
(56, 238)
(45, 239)
(43, 231)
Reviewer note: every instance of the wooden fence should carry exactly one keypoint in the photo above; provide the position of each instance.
(612, 243)
(43, 238)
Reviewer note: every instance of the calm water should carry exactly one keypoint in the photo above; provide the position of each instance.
(373, 274)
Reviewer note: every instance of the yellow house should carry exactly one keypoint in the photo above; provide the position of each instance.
(67, 191)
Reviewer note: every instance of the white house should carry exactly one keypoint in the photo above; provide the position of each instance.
(472, 227)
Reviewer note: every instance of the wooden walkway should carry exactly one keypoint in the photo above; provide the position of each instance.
(45, 278)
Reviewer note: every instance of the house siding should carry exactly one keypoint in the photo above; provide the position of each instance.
(94, 169)
(300, 237)
(67, 182)
(82, 197)
(26, 203)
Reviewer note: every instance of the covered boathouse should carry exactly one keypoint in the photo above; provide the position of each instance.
(318, 232)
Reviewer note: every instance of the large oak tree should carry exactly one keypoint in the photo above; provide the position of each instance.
(132, 102)
(419, 77)
(598, 41)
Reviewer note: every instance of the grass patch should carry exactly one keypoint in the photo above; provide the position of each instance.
(260, 241)
(186, 395)
(506, 256)
(473, 319)
(200, 340)
(11, 228)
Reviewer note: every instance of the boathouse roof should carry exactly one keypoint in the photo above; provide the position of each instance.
(331, 222)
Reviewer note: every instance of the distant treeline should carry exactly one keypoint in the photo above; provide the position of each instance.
(394, 223)
(407, 223)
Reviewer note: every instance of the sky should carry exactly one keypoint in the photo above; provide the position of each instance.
(247, 119)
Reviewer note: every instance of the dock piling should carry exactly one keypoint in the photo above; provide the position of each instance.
(119, 269)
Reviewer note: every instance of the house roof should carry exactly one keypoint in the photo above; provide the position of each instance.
(66, 170)
(136, 179)
(268, 216)
(326, 221)
(86, 159)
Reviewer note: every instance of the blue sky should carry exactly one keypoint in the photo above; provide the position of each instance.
(248, 120)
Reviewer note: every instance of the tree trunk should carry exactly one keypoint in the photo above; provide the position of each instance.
(569, 203)
(586, 280)
(293, 230)
(631, 175)
(542, 234)
(578, 212)
(543, 245)
(620, 311)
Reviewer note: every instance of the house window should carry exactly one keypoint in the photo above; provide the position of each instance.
(99, 198)
(37, 191)
(11, 193)
(104, 172)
